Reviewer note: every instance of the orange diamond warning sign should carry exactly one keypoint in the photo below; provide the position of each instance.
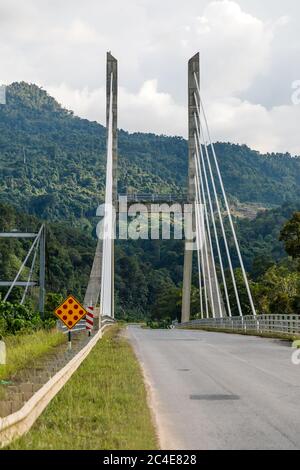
(70, 312)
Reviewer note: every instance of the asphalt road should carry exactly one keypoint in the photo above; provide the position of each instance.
(220, 391)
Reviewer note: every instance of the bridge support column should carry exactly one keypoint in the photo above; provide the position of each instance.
(209, 278)
(94, 286)
(93, 289)
(112, 70)
(193, 67)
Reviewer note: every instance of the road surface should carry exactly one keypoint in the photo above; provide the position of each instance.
(220, 391)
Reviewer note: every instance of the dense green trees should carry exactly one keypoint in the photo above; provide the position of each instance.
(278, 289)
(275, 278)
(15, 318)
(149, 273)
(52, 163)
(290, 235)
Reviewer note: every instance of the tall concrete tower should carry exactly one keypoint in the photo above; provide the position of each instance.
(207, 269)
(94, 286)
(112, 87)
(193, 67)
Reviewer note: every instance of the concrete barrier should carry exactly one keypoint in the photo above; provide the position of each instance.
(18, 423)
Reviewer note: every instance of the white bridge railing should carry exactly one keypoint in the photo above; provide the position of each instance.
(261, 323)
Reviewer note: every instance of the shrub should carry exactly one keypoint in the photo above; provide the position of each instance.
(15, 318)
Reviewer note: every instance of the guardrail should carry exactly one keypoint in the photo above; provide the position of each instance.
(289, 324)
(18, 423)
(81, 325)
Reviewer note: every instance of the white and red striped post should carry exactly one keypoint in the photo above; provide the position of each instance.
(89, 319)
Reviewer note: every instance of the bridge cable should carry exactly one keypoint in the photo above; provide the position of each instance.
(199, 253)
(199, 171)
(212, 214)
(222, 226)
(206, 234)
(226, 202)
(213, 217)
(200, 234)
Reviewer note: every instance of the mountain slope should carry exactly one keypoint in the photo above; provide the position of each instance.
(148, 272)
(52, 163)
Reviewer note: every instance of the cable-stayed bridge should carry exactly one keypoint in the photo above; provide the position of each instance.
(209, 230)
(208, 390)
(201, 218)
(230, 388)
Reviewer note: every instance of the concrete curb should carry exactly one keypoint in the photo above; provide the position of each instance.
(17, 424)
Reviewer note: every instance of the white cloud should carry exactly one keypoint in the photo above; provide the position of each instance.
(237, 46)
(231, 120)
(148, 110)
(79, 33)
(89, 104)
(62, 46)
(266, 130)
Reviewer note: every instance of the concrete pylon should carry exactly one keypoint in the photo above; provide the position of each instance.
(94, 286)
(208, 272)
(193, 67)
(112, 71)
(92, 292)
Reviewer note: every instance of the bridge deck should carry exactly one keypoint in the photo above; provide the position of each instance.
(221, 391)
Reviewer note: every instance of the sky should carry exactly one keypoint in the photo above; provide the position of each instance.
(250, 62)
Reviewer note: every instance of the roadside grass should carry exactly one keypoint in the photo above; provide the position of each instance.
(103, 405)
(24, 349)
(275, 335)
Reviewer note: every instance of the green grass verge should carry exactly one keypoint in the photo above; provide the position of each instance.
(275, 335)
(24, 349)
(103, 405)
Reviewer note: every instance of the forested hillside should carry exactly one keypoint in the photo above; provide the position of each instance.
(52, 168)
(52, 163)
(148, 273)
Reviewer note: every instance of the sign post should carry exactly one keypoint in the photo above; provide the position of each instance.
(70, 312)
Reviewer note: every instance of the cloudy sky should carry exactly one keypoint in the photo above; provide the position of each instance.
(250, 61)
